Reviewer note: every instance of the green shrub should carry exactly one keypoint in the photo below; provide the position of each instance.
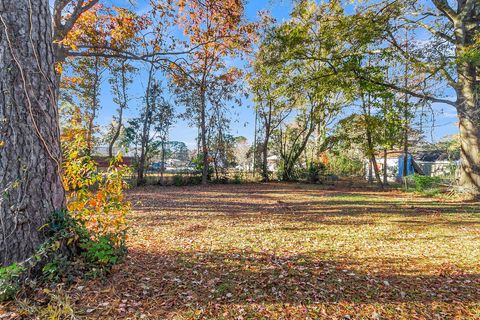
(10, 281)
(315, 170)
(178, 180)
(425, 183)
(237, 179)
(186, 180)
(101, 252)
(57, 267)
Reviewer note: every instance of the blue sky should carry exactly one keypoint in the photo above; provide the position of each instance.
(243, 116)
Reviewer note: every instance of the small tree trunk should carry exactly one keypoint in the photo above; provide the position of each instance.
(377, 171)
(373, 159)
(162, 168)
(265, 176)
(385, 167)
(30, 155)
(116, 134)
(94, 106)
(370, 171)
(203, 135)
(123, 102)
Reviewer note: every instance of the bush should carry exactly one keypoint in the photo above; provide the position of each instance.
(426, 183)
(101, 252)
(178, 180)
(10, 281)
(182, 180)
(237, 178)
(315, 170)
(57, 267)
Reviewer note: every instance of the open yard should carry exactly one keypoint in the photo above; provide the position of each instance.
(291, 251)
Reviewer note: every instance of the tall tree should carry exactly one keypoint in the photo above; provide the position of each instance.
(121, 77)
(83, 89)
(150, 130)
(33, 43)
(449, 56)
(30, 154)
(271, 107)
(218, 29)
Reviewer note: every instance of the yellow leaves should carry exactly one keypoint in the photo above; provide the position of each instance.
(58, 68)
(95, 198)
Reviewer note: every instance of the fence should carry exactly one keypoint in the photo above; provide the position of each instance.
(169, 178)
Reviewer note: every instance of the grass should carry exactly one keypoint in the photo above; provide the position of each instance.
(291, 251)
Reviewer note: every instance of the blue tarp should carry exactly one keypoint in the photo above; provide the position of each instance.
(410, 168)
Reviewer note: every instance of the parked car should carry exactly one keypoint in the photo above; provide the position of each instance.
(157, 166)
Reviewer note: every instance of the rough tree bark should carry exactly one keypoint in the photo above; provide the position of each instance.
(464, 16)
(30, 155)
(467, 26)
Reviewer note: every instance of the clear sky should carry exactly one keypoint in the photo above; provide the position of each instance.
(243, 116)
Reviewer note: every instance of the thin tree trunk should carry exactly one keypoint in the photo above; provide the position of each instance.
(94, 106)
(145, 136)
(373, 159)
(405, 141)
(265, 176)
(121, 107)
(255, 145)
(385, 167)
(203, 134)
(406, 116)
(370, 146)
(162, 168)
(116, 134)
(370, 171)
(30, 154)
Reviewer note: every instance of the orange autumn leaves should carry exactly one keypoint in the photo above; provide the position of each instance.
(102, 28)
(94, 198)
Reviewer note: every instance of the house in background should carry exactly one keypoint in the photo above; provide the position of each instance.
(272, 163)
(428, 163)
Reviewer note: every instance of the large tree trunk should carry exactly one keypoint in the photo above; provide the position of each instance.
(468, 104)
(30, 155)
(469, 116)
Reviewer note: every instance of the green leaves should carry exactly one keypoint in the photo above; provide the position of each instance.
(10, 281)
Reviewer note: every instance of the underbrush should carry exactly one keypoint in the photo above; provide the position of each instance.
(85, 240)
(426, 185)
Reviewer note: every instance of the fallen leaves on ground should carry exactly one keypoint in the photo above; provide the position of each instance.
(290, 251)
